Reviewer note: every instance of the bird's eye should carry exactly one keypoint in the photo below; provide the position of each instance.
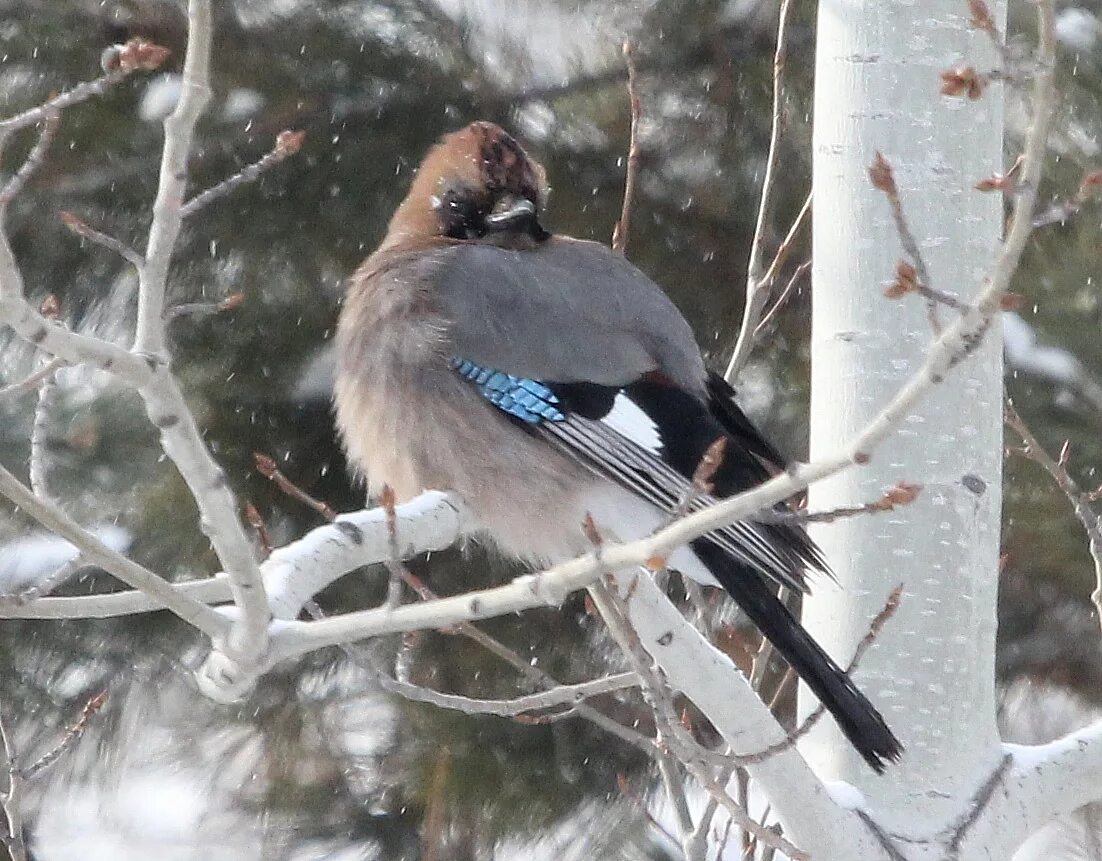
(462, 213)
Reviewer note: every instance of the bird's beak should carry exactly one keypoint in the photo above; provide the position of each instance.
(512, 213)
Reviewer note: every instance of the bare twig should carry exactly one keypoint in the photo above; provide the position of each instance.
(534, 675)
(252, 516)
(655, 690)
(86, 231)
(12, 799)
(287, 143)
(394, 566)
(620, 232)
(32, 381)
(902, 493)
(762, 834)
(40, 429)
(696, 845)
(267, 467)
(119, 62)
(562, 695)
(172, 182)
(757, 283)
(1088, 189)
(45, 586)
(801, 270)
(1080, 501)
(34, 159)
(913, 276)
(205, 309)
(71, 736)
(199, 615)
(764, 654)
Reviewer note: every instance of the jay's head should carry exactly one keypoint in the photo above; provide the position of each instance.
(476, 184)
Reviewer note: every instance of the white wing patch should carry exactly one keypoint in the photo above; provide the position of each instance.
(627, 419)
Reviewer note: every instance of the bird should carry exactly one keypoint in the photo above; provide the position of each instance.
(550, 383)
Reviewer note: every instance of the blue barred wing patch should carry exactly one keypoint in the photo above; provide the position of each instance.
(529, 400)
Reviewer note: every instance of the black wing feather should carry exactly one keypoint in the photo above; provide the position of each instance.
(687, 428)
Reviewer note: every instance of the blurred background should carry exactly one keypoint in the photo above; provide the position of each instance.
(320, 763)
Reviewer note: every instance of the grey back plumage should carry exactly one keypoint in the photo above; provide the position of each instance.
(567, 311)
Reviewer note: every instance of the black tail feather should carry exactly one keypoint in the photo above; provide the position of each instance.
(858, 719)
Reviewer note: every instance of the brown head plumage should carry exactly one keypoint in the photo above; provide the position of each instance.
(475, 184)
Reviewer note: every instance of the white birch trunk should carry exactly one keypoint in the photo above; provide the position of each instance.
(932, 670)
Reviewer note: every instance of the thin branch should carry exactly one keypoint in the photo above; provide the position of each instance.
(787, 245)
(253, 518)
(71, 736)
(620, 232)
(395, 568)
(757, 286)
(655, 691)
(764, 654)
(86, 231)
(34, 159)
(31, 381)
(1059, 213)
(562, 695)
(40, 428)
(978, 804)
(914, 275)
(902, 493)
(80, 93)
(881, 837)
(780, 57)
(50, 583)
(172, 183)
(1080, 501)
(287, 143)
(532, 674)
(12, 799)
(267, 467)
(695, 845)
(801, 270)
(199, 615)
(764, 835)
(205, 309)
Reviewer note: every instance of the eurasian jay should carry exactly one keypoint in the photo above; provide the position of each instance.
(544, 379)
